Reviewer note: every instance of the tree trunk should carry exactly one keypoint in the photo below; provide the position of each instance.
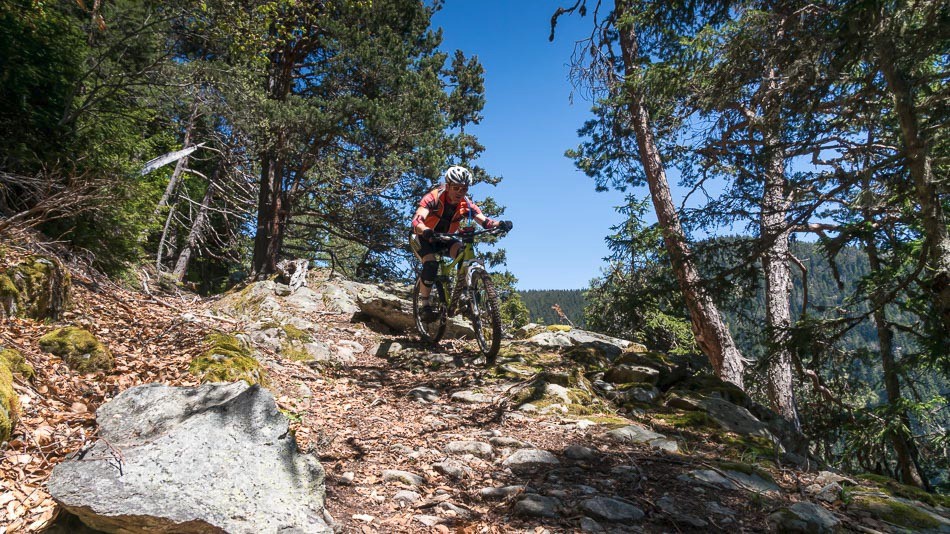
(181, 164)
(162, 240)
(197, 231)
(917, 150)
(272, 209)
(774, 233)
(711, 333)
(271, 218)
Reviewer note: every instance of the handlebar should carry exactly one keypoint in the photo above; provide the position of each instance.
(467, 235)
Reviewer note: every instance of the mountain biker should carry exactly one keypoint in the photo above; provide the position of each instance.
(442, 210)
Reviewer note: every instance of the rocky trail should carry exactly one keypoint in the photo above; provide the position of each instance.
(570, 431)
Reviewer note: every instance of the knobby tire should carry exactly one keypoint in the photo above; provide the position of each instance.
(430, 332)
(489, 316)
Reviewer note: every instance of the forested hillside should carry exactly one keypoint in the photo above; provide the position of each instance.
(540, 302)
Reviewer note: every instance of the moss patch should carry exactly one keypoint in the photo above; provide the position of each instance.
(295, 352)
(17, 363)
(558, 328)
(79, 348)
(690, 420)
(610, 421)
(9, 401)
(894, 512)
(227, 360)
(296, 334)
(895, 488)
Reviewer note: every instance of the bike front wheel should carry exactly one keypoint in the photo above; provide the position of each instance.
(486, 315)
(430, 328)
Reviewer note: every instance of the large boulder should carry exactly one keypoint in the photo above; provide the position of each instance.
(383, 305)
(611, 347)
(214, 458)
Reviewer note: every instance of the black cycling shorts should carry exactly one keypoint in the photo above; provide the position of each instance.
(423, 247)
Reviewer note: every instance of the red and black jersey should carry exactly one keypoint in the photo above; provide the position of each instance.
(444, 217)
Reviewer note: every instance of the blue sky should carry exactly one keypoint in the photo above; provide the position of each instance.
(529, 121)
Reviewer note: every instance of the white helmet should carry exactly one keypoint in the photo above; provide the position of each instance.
(458, 176)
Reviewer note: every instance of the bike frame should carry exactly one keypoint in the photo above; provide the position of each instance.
(464, 264)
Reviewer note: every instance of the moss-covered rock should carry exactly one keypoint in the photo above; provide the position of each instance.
(226, 360)
(892, 511)
(37, 288)
(710, 385)
(528, 330)
(80, 349)
(558, 328)
(895, 488)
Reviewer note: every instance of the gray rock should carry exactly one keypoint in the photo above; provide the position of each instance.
(589, 525)
(626, 373)
(667, 504)
(716, 508)
(827, 477)
(403, 477)
(282, 290)
(506, 442)
(500, 493)
(728, 415)
(645, 396)
(626, 472)
(804, 518)
(470, 397)
(218, 457)
(387, 348)
(320, 351)
(453, 510)
(532, 505)
(733, 480)
(475, 448)
(406, 497)
(829, 493)
(609, 346)
(638, 434)
(530, 460)
(607, 509)
(450, 469)
(580, 452)
(429, 520)
(424, 394)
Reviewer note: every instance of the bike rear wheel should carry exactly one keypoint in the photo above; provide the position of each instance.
(432, 329)
(486, 315)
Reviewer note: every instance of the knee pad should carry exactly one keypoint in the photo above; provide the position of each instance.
(429, 270)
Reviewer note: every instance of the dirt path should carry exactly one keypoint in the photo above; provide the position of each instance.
(403, 411)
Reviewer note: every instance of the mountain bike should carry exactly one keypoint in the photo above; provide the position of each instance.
(472, 295)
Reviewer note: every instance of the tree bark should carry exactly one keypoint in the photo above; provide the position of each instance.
(917, 150)
(273, 210)
(196, 234)
(271, 215)
(774, 233)
(712, 335)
